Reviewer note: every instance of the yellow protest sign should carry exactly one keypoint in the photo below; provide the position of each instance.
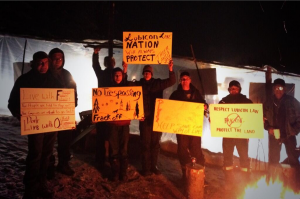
(180, 117)
(117, 103)
(46, 110)
(236, 120)
(147, 47)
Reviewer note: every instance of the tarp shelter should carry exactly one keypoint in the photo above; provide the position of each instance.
(78, 60)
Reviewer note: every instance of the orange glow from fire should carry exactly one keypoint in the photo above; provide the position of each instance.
(269, 190)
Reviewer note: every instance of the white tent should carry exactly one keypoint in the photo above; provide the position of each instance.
(78, 60)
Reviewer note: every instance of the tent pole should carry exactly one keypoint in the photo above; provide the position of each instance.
(198, 71)
(111, 30)
(24, 56)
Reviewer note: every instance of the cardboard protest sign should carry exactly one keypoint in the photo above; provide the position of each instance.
(46, 110)
(236, 120)
(147, 47)
(180, 117)
(117, 103)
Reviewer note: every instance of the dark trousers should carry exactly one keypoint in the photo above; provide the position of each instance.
(189, 146)
(290, 146)
(64, 140)
(242, 149)
(150, 144)
(40, 148)
(101, 136)
(118, 137)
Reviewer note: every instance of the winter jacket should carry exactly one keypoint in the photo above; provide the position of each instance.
(195, 95)
(64, 77)
(292, 112)
(235, 99)
(31, 79)
(153, 89)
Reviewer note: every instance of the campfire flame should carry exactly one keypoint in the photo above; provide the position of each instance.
(269, 190)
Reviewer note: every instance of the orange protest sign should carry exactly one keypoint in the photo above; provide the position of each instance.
(147, 47)
(236, 120)
(180, 117)
(117, 103)
(46, 110)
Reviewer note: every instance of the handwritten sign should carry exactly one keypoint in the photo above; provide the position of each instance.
(172, 116)
(46, 110)
(236, 120)
(117, 103)
(147, 47)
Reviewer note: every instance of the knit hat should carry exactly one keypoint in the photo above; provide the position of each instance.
(235, 83)
(148, 68)
(279, 81)
(184, 74)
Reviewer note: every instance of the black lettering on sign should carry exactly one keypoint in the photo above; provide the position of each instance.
(56, 123)
(57, 94)
(97, 92)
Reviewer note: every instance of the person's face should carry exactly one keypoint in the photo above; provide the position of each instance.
(185, 82)
(57, 60)
(42, 65)
(278, 91)
(234, 90)
(118, 77)
(147, 75)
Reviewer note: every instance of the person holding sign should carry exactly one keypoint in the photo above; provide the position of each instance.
(118, 137)
(104, 80)
(152, 89)
(235, 97)
(188, 146)
(64, 138)
(40, 146)
(282, 121)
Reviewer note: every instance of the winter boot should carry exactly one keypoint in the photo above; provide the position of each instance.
(43, 191)
(183, 170)
(51, 168)
(115, 168)
(64, 168)
(146, 165)
(124, 166)
(154, 169)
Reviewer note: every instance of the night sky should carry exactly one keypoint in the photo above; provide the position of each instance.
(232, 33)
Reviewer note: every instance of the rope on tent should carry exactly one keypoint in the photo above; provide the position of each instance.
(24, 56)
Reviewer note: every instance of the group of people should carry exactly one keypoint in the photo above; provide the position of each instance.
(46, 72)
(281, 111)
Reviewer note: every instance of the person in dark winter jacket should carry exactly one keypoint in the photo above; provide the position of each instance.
(64, 138)
(40, 146)
(152, 89)
(282, 114)
(118, 136)
(188, 146)
(235, 97)
(104, 80)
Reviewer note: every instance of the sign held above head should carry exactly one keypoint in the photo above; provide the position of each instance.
(147, 47)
